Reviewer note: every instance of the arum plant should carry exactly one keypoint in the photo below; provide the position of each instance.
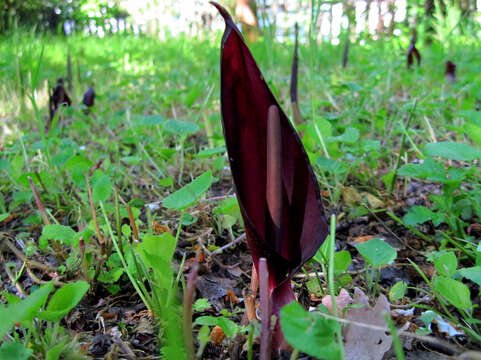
(294, 72)
(413, 52)
(450, 72)
(58, 98)
(89, 97)
(277, 191)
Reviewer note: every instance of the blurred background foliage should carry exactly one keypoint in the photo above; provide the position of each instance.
(373, 18)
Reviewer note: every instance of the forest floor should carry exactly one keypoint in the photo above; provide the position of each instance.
(399, 165)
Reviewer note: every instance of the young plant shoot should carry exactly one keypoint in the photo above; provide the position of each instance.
(277, 191)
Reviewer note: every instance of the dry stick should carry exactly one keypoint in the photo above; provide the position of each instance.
(43, 212)
(294, 72)
(40, 206)
(98, 266)
(226, 246)
(94, 215)
(188, 299)
(345, 54)
(266, 334)
(135, 232)
(11, 277)
(32, 263)
(36, 280)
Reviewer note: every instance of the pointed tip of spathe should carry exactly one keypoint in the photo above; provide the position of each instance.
(222, 10)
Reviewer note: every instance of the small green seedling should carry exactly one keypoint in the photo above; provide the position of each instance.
(377, 253)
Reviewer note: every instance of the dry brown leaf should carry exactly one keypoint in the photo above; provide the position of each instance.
(231, 297)
(373, 201)
(350, 195)
(362, 239)
(363, 343)
(217, 335)
(159, 228)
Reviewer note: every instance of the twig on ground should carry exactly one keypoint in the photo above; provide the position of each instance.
(21, 256)
(135, 232)
(11, 277)
(94, 215)
(226, 246)
(40, 206)
(36, 280)
(188, 299)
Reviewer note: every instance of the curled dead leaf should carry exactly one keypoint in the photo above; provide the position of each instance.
(159, 228)
(217, 335)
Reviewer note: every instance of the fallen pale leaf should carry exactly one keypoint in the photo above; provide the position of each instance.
(373, 201)
(350, 195)
(364, 343)
(343, 300)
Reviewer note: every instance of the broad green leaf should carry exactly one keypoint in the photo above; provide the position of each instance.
(472, 273)
(211, 152)
(446, 264)
(206, 320)
(162, 245)
(152, 120)
(157, 252)
(188, 195)
(201, 304)
(397, 291)
(474, 132)
(101, 189)
(455, 292)
(453, 151)
(350, 136)
(168, 181)
(64, 300)
(57, 232)
(229, 327)
(14, 351)
(78, 166)
(342, 260)
(180, 127)
(429, 169)
(309, 332)
(54, 352)
(23, 311)
(332, 166)
(4, 216)
(418, 215)
(377, 252)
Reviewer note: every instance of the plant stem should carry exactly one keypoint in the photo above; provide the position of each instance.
(331, 270)
(265, 353)
(188, 299)
(124, 262)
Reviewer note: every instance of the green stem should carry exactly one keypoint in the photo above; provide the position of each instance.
(122, 259)
(331, 270)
